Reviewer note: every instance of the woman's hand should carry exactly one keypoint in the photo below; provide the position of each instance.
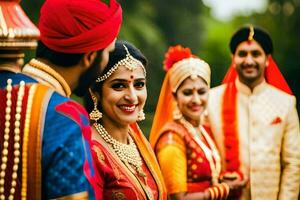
(237, 184)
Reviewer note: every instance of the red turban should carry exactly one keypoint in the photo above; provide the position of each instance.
(79, 26)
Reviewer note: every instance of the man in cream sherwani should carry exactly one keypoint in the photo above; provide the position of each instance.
(255, 123)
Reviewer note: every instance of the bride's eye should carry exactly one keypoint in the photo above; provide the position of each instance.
(118, 86)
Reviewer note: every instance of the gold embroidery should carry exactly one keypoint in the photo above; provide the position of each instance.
(118, 196)
(194, 167)
(47, 69)
(210, 153)
(25, 141)
(193, 155)
(77, 196)
(99, 153)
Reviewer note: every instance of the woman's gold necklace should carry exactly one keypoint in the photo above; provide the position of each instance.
(127, 153)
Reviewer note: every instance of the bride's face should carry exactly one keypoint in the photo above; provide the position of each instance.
(192, 97)
(123, 95)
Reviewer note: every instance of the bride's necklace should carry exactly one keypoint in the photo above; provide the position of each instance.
(128, 153)
(211, 153)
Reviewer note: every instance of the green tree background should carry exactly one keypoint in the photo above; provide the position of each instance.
(154, 25)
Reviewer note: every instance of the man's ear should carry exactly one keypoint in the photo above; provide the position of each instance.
(232, 61)
(88, 59)
(267, 61)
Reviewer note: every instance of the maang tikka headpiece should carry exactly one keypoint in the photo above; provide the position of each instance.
(129, 62)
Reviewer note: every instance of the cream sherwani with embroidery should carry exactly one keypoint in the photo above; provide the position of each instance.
(269, 139)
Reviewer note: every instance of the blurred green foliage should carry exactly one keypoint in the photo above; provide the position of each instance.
(154, 25)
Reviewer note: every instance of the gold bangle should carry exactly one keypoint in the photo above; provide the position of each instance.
(221, 190)
(216, 192)
(226, 187)
(212, 193)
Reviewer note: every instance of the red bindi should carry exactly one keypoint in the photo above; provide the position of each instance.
(131, 77)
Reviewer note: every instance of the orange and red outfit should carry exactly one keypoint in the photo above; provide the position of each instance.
(117, 181)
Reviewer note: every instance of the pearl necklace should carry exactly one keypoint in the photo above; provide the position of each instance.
(128, 153)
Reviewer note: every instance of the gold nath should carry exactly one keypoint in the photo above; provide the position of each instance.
(251, 33)
(129, 62)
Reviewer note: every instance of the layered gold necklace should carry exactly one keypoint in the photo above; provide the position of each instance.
(128, 153)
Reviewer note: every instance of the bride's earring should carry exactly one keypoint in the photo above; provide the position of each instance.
(95, 115)
(141, 115)
(177, 113)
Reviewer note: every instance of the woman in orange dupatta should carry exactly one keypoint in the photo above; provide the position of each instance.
(124, 161)
(185, 149)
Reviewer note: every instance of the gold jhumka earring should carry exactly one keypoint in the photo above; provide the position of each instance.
(95, 115)
(141, 116)
(177, 113)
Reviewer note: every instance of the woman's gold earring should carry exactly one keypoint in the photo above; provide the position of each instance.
(141, 115)
(177, 113)
(95, 115)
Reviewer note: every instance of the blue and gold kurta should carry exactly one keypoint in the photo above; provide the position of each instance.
(54, 145)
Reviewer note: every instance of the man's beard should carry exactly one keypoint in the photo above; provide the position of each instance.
(246, 78)
(88, 77)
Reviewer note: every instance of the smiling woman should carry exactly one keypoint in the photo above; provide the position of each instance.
(178, 134)
(126, 166)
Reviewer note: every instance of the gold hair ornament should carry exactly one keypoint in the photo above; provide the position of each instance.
(129, 62)
(251, 33)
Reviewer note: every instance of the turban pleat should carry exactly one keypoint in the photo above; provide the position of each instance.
(79, 26)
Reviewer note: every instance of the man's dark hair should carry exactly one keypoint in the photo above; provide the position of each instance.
(260, 35)
(57, 58)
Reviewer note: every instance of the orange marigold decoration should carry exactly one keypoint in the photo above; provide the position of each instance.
(175, 54)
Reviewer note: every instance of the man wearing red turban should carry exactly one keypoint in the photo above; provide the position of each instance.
(76, 36)
(254, 119)
(46, 135)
